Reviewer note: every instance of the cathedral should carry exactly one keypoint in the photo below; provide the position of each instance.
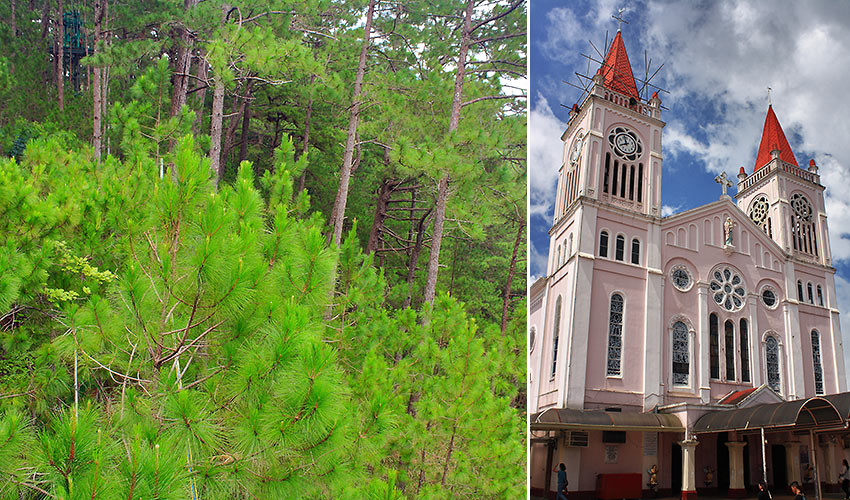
(690, 354)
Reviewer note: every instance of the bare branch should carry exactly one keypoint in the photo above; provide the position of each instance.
(492, 97)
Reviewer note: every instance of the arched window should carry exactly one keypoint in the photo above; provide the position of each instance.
(803, 235)
(681, 354)
(811, 295)
(558, 257)
(532, 334)
(621, 247)
(603, 244)
(745, 352)
(820, 296)
(816, 362)
(714, 346)
(799, 290)
(759, 214)
(555, 334)
(569, 251)
(771, 348)
(635, 251)
(729, 327)
(615, 335)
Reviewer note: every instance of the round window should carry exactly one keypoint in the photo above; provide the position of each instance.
(769, 298)
(727, 289)
(681, 278)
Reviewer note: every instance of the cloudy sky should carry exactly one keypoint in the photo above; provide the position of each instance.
(719, 58)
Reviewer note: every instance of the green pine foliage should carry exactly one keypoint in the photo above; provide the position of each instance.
(166, 336)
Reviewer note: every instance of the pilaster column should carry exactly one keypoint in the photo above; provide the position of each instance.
(689, 480)
(792, 462)
(703, 380)
(830, 471)
(737, 488)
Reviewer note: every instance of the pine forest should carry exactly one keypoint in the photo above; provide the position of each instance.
(262, 249)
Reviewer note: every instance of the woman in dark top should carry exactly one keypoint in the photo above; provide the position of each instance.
(764, 493)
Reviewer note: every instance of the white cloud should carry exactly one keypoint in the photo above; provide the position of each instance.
(545, 154)
(667, 210)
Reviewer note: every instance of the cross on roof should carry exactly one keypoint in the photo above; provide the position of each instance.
(619, 18)
(723, 181)
(768, 96)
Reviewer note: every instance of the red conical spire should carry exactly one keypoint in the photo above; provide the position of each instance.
(773, 138)
(616, 69)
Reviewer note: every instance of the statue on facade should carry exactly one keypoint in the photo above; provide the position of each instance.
(709, 475)
(727, 231)
(653, 479)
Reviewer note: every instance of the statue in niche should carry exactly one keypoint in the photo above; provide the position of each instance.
(727, 231)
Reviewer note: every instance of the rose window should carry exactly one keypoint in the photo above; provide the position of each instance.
(758, 212)
(727, 288)
(802, 208)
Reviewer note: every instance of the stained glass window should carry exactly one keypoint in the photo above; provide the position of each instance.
(615, 335)
(768, 296)
(714, 346)
(730, 349)
(557, 331)
(817, 362)
(727, 289)
(681, 278)
(771, 347)
(745, 351)
(681, 354)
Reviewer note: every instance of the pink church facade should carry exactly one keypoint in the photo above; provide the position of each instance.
(723, 307)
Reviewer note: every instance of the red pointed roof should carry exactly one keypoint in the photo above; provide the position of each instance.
(617, 70)
(773, 138)
(736, 397)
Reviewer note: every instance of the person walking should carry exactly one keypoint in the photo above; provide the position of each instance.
(844, 477)
(562, 481)
(764, 493)
(798, 493)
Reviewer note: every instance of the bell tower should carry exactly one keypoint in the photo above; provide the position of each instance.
(785, 200)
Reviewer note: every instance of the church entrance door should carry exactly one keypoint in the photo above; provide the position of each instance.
(676, 471)
(777, 458)
(722, 463)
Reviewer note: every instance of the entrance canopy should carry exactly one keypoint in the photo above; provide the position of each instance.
(809, 413)
(599, 420)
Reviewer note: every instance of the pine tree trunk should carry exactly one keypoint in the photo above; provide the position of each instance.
(14, 20)
(203, 75)
(60, 56)
(384, 195)
(443, 187)
(182, 64)
(338, 215)
(506, 299)
(246, 119)
(217, 114)
(215, 128)
(414, 256)
(97, 87)
(303, 177)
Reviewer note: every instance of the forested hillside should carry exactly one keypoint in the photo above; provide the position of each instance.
(262, 249)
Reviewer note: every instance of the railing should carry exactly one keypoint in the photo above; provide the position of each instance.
(763, 172)
(623, 100)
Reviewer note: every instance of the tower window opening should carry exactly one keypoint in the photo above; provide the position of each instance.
(603, 244)
(799, 291)
(635, 251)
(820, 296)
(803, 235)
(620, 249)
(615, 177)
(623, 183)
(632, 182)
(811, 295)
(605, 178)
(640, 183)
